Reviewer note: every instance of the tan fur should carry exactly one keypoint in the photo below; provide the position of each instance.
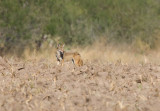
(71, 55)
(75, 56)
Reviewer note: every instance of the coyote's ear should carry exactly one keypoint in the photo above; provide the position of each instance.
(63, 45)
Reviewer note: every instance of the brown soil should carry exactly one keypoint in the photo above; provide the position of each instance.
(43, 86)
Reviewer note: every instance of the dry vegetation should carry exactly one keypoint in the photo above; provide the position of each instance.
(100, 51)
(108, 81)
(121, 70)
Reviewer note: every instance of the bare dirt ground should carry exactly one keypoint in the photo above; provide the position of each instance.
(43, 86)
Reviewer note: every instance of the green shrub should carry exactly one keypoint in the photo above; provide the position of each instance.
(78, 22)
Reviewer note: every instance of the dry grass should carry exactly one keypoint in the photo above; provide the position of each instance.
(33, 85)
(116, 79)
(101, 52)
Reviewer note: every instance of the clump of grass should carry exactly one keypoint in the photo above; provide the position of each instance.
(101, 51)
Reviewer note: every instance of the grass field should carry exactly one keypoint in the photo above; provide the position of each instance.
(119, 41)
(38, 84)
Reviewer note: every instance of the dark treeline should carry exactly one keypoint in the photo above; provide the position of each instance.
(24, 23)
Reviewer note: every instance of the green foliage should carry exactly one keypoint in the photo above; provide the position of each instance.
(78, 22)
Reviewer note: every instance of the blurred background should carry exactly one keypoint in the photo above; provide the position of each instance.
(119, 29)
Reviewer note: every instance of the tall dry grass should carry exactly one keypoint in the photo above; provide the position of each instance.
(100, 51)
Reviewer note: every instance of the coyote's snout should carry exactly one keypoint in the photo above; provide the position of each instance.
(62, 56)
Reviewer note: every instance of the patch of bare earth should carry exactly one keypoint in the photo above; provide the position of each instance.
(44, 86)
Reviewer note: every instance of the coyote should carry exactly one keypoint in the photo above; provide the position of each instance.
(62, 56)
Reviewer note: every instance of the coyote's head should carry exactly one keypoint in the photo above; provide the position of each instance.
(60, 52)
